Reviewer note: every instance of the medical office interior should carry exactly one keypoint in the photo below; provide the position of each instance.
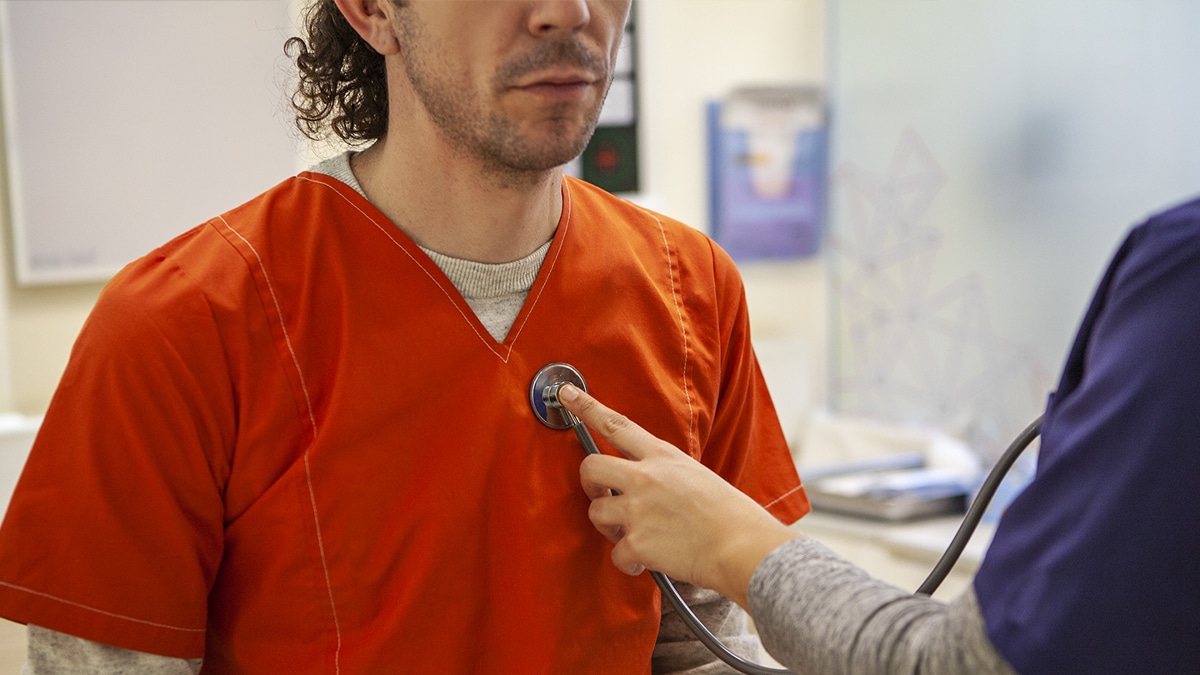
(959, 173)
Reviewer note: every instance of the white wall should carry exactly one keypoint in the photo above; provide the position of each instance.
(990, 155)
(691, 51)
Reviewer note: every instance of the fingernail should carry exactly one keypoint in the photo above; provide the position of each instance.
(568, 393)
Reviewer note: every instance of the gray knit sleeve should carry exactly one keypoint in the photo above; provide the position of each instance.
(817, 613)
(53, 653)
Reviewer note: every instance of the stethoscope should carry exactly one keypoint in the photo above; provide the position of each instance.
(543, 398)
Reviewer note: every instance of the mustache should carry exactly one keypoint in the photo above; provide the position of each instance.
(568, 51)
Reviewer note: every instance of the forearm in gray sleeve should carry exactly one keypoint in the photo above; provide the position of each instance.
(817, 613)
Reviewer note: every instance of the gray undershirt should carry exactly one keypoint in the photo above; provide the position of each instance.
(495, 291)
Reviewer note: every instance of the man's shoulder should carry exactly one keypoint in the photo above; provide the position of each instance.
(592, 203)
(288, 215)
(308, 196)
(222, 251)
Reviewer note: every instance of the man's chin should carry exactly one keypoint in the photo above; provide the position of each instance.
(548, 156)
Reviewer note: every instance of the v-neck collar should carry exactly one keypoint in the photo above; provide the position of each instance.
(417, 256)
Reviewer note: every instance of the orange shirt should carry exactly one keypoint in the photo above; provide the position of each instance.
(259, 452)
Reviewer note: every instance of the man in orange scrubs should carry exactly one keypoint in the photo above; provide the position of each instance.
(258, 455)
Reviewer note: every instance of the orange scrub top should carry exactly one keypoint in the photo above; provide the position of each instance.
(262, 451)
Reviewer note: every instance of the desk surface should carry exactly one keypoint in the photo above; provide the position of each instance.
(923, 541)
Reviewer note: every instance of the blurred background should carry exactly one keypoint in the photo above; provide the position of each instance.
(961, 170)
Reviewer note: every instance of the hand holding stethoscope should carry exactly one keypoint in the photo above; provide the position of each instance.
(670, 513)
(559, 383)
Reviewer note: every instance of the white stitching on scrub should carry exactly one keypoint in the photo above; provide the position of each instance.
(313, 421)
(783, 496)
(99, 611)
(687, 394)
(282, 326)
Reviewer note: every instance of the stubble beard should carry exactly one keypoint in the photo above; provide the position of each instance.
(505, 153)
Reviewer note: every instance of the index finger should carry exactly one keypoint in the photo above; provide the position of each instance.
(633, 441)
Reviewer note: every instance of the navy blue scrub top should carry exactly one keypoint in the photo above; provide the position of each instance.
(1095, 567)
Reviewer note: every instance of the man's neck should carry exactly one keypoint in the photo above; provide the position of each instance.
(448, 203)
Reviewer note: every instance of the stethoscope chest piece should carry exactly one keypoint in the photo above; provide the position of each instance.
(550, 375)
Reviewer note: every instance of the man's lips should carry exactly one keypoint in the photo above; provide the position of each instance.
(559, 88)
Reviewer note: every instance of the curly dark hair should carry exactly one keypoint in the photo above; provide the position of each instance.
(342, 86)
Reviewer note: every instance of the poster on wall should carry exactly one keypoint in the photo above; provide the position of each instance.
(767, 171)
